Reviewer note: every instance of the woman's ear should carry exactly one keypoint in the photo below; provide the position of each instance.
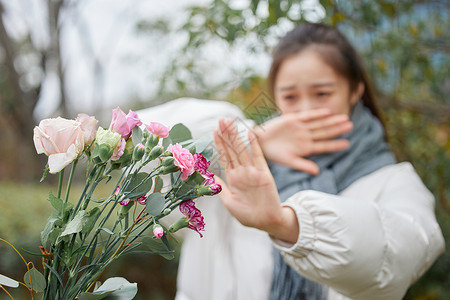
(357, 94)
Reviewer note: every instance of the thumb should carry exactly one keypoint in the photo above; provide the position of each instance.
(304, 165)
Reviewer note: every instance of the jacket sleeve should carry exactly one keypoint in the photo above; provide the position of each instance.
(371, 242)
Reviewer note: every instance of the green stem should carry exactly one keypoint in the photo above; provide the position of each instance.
(60, 183)
(69, 184)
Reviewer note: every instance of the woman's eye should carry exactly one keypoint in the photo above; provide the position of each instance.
(323, 94)
(289, 97)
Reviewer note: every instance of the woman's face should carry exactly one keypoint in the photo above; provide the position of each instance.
(304, 82)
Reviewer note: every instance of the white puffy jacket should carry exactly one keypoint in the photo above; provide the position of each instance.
(372, 241)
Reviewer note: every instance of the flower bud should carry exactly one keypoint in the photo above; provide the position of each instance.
(215, 188)
(125, 208)
(138, 152)
(169, 169)
(212, 189)
(152, 141)
(155, 152)
(203, 190)
(158, 231)
(167, 211)
(102, 153)
(168, 161)
(181, 223)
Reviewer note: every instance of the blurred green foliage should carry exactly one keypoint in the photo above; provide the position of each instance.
(24, 213)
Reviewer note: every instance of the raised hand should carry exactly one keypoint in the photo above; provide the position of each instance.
(290, 138)
(250, 194)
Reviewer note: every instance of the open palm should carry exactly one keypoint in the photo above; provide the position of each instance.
(250, 193)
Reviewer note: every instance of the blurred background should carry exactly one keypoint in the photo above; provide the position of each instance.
(63, 57)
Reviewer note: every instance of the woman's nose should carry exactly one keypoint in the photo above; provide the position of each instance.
(304, 105)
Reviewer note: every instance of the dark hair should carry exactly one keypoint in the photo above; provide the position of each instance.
(335, 50)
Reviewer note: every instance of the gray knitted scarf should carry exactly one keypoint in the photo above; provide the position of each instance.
(367, 153)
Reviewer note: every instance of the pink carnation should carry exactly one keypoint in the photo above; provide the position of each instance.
(157, 129)
(193, 216)
(123, 124)
(183, 159)
(201, 164)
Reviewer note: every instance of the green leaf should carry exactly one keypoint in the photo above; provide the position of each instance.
(136, 135)
(140, 185)
(388, 8)
(155, 204)
(202, 143)
(52, 229)
(6, 281)
(116, 288)
(158, 247)
(179, 133)
(166, 142)
(95, 295)
(208, 153)
(89, 218)
(58, 204)
(76, 225)
(37, 279)
(107, 231)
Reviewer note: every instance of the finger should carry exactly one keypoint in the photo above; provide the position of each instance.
(331, 131)
(224, 157)
(310, 115)
(327, 121)
(257, 153)
(303, 165)
(330, 146)
(236, 147)
(242, 151)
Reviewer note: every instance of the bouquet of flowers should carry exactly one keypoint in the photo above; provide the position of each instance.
(81, 239)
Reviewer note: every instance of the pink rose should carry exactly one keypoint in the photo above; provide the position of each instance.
(61, 140)
(89, 127)
(123, 124)
(183, 159)
(157, 129)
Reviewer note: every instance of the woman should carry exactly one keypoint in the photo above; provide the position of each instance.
(352, 223)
